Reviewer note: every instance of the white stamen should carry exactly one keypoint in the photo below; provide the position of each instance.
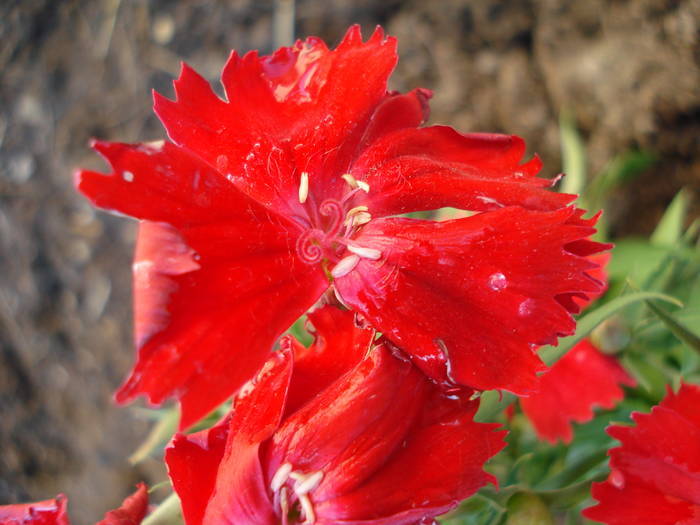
(308, 508)
(303, 187)
(354, 183)
(366, 253)
(350, 180)
(358, 215)
(308, 483)
(280, 476)
(284, 505)
(345, 266)
(362, 218)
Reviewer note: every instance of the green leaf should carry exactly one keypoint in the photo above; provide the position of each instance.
(573, 153)
(160, 433)
(676, 328)
(492, 403)
(588, 322)
(477, 510)
(670, 228)
(169, 512)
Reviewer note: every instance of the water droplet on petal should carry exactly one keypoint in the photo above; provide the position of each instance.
(128, 176)
(498, 281)
(617, 479)
(526, 307)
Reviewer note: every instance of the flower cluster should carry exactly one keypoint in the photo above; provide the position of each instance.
(289, 197)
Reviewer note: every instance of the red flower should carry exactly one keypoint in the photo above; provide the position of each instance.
(54, 512)
(581, 380)
(371, 441)
(267, 198)
(655, 474)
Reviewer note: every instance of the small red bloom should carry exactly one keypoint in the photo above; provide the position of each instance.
(54, 512)
(581, 380)
(373, 441)
(655, 474)
(267, 198)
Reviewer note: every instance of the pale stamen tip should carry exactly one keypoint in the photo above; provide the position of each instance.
(345, 266)
(365, 253)
(303, 187)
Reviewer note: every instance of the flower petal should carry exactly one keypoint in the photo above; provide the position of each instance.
(161, 182)
(132, 510)
(339, 345)
(193, 462)
(302, 109)
(430, 168)
(49, 512)
(241, 491)
(436, 467)
(214, 287)
(581, 380)
(655, 475)
(204, 333)
(474, 294)
(347, 430)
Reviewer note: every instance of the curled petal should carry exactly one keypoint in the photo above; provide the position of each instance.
(430, 168)
(655, 473)
(469, 299)
(338, 346)
(581, 380)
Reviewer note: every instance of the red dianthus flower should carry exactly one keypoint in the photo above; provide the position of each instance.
(370, 440)
(655, 473)
(264, 200)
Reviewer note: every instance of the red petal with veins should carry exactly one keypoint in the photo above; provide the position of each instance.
(370, 431)
(304, 108)
(240, 494)
(132, 510)
(193, 462)
(429, 168)
(49, 512)
(475, 294)
(581, 380)
(655, 476)
(214, 290)
(338, 346)
(349, 429)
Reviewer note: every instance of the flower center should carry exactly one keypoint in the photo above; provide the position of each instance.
(291, 490)
(330, 227)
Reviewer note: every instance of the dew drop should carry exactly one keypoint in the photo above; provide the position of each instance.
(128, 176)
(617, 479)
(250, 156)
(498, 281)
(526, 307)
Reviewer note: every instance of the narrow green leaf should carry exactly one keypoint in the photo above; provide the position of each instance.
(169, 512)
(588, 322)
(676, 328)
(573, 153)
(492, 403)
(161, 432)
(670, 228)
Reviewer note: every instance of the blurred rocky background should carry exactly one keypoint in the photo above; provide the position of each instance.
(628, 70)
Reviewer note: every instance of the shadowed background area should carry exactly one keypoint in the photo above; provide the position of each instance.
(627, 70)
